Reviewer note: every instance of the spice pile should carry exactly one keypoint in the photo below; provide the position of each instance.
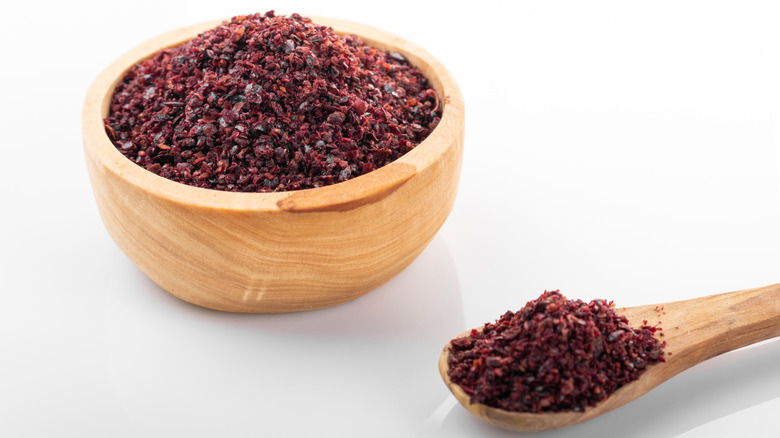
(265, 103)
(552, 355)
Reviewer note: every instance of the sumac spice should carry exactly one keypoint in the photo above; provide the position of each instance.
(270, 103)
(552, 355)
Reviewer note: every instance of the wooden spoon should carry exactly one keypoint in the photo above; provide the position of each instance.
(694, 330)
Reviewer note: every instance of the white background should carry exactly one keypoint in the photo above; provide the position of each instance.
(612, 151)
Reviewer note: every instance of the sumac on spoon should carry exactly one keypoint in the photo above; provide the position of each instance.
(554, 354)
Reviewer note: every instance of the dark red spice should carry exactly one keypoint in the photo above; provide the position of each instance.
(552, 355)
(265, 103)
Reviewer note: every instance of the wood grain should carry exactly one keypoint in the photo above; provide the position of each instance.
(277, 252)
(694, 330)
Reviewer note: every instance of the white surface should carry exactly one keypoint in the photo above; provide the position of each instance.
(613, 151)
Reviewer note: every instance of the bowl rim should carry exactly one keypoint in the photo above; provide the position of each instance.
(346, 195)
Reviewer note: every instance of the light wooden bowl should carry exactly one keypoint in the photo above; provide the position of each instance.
(277, 252)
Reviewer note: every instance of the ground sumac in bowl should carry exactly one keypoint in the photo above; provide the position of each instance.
(269, 103)
(552, 355)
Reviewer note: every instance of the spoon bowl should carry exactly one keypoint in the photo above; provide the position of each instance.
(694, 330)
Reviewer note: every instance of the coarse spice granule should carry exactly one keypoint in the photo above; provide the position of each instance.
(270, 103)
(552, 355)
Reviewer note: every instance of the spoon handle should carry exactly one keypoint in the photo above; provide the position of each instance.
(699, 329)
(694, 330)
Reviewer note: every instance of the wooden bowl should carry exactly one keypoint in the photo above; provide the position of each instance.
(277, 252)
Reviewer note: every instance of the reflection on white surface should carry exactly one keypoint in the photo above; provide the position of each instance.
(351, 365)
(733, 425)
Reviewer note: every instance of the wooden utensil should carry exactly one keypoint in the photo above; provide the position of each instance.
(286, 251)
(694, 330)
